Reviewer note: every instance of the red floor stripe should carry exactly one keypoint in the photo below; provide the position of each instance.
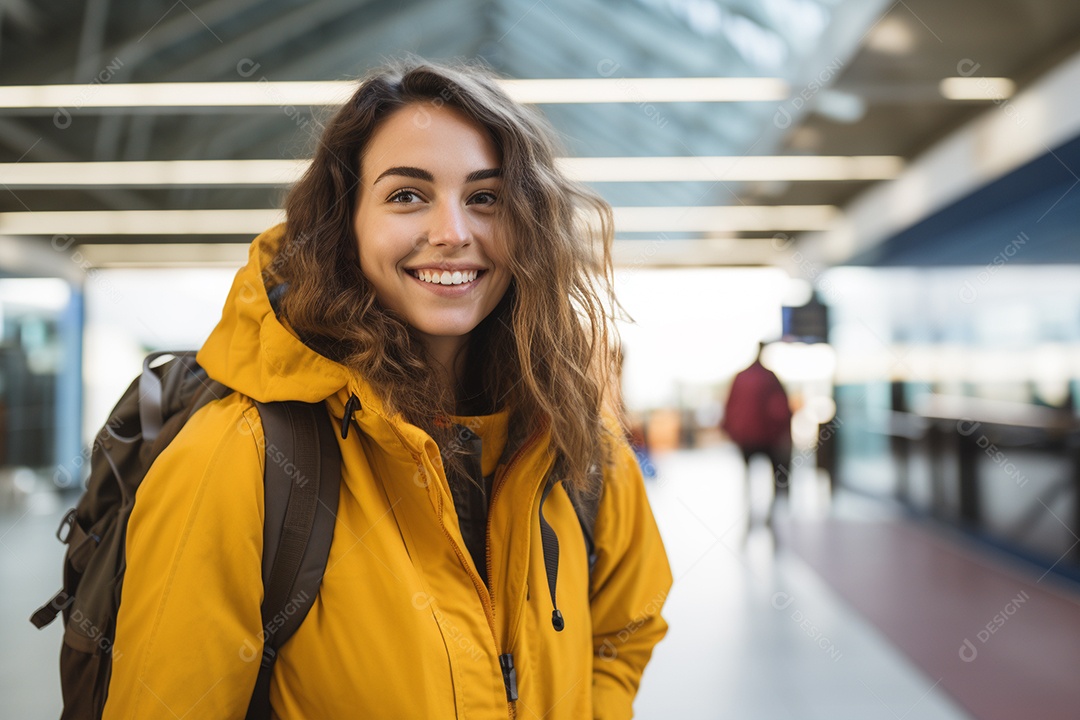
(1005, 646)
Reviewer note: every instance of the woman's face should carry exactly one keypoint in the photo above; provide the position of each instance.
(425, 222)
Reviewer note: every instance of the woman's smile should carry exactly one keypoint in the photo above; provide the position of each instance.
(446, 283)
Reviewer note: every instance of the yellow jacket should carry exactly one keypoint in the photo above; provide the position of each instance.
(403, 626)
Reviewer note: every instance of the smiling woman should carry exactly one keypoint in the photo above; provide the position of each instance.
(438, 169)
(435, 290)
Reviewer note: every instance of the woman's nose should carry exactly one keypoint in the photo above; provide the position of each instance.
(449, 225)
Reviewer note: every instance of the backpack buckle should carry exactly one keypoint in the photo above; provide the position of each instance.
(68, 522)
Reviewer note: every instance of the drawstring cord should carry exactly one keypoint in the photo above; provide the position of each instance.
(550, 542)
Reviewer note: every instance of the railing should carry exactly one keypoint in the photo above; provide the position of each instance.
(956, 433)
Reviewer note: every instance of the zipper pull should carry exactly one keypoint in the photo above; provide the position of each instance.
(506, 662)
(351, 406)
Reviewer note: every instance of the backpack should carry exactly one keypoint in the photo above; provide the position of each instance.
(297, 531)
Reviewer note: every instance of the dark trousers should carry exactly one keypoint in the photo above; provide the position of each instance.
(780, 457)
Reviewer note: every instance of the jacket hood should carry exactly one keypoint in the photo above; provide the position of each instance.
(254, 352)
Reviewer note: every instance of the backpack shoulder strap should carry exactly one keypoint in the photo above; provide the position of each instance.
(302, 480)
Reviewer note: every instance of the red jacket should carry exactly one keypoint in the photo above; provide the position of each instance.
(757, 414)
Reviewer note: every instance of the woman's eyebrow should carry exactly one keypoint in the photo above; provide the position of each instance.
(410, 172)
(421, 174)
(483, 174)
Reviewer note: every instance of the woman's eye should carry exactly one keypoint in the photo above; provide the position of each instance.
(484, 197)
(404, 197)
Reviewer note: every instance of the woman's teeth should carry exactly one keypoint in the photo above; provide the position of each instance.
(445, 277)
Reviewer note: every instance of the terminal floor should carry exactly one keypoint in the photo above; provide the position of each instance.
(806, 627)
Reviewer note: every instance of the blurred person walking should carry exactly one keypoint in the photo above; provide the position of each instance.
(757, 418)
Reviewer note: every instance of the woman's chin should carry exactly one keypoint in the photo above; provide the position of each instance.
(444, 329)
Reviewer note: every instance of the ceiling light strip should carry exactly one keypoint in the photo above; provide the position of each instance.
(139, 222)
(603, 169)
(327, 93)
(733, 168)
(726, 218)
(980, 89)
(634, 90)
(153, 173)
(762, 218)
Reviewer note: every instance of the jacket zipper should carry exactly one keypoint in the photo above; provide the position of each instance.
(506, 660)
(487, 598)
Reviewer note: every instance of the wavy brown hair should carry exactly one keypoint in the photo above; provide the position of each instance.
(544, 352)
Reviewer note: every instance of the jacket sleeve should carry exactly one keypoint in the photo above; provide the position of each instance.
(630, 582)
(188, 640)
